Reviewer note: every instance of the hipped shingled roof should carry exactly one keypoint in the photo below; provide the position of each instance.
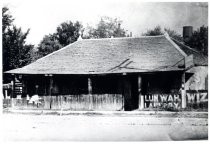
(110, 55)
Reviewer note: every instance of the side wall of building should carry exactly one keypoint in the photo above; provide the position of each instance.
(199, 79)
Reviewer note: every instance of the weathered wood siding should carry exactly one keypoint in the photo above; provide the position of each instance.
(105, 102)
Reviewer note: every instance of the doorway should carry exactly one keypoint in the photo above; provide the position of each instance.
(130, 93)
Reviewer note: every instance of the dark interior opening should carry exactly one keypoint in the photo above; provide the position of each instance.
(106, 85)
(130, 92)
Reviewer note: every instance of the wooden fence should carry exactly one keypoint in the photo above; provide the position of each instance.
(196, 100)
(107, 102)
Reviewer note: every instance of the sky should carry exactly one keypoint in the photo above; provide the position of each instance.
(43, 16)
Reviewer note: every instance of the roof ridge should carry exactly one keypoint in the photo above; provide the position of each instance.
(175, 45)
(123, 38)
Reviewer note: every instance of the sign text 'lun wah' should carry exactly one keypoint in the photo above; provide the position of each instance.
(174, 100)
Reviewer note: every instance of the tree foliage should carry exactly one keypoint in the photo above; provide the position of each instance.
(199, 40)
(15, 52)
(66, 33)
(6, 19)
(158, 31)
(154, 32)
(106, 28)
(48, 45)
(173, 34)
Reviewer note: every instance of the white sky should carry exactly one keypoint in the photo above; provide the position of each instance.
(43, 16)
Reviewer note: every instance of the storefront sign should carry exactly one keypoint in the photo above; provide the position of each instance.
(197, 97)
(173, 101)
(163, 101)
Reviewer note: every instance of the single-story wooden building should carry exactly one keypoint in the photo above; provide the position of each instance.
(109, 74)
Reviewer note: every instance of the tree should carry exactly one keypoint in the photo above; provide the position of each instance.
(106, 28)
(15, 52)
(6, 19)
(68, 32)
(158, 31)
(154, 32)
(199, 40)
(48, 45)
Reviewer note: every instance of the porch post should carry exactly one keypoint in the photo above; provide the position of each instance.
(89, 86)
(141, 97)
(90, 93)
(45, 84)
(13, 86)
(183, 92)
(24, 83)
(6, 96)
(50, 89)
(51, 85)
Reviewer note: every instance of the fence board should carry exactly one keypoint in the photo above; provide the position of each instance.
(70, 102)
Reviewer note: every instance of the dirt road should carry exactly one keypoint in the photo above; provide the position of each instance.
(25, 127)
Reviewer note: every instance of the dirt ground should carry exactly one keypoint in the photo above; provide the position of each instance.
(93, 127)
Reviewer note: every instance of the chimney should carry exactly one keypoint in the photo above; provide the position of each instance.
(187, 33)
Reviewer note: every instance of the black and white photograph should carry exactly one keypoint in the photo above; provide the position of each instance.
(104, 71)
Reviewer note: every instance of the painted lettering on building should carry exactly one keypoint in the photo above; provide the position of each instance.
(197, 99)
(165, 101)
(194, 99)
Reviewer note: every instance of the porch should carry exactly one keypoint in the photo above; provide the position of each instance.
(98, 92)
